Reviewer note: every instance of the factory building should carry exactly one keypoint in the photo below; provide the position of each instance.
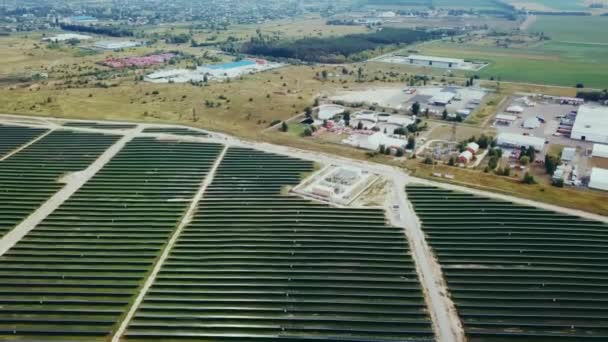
(437, 62)
(519, 140)
(599, 179)
(591, 124)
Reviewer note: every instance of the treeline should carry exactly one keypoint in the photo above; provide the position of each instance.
(595, 96)
(338, 49)
(112, 31)
(581, 14)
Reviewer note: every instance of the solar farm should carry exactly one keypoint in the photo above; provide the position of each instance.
(115, 231)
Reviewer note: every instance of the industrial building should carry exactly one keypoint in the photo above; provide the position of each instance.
(66, 36)
(329, 111)
(568, 154)
(599, 179)
(599, 151)
(437, 62)
(591, 124)
(519, 140)
(115, 44)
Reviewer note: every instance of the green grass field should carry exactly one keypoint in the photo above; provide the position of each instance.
(576, 53)
(417, 4)
(573, 28)
(550, 5)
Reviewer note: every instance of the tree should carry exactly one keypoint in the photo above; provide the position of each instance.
(580, 85)
(360, 73)
(284, 127)
(400, 152)
(444, 115)
(558, 182)
(452, 161)
(493, 162)
(429, 161)
(382, 149)
(416, 108)
(528, 179)
(525, 160)
(324, 74)
(308, 112)
(307, 132)
(411, 142)
(360, 125)
(551, 164)
(346, 118)
(483, 141)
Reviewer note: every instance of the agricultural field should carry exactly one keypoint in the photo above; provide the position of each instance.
(425, 4)
(548, 62)
(552, 5)
(517, 273)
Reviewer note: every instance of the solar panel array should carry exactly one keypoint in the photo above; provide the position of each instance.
(31, 176)
(259, 265)
(518, 273)
(13, 137)
(74, 275)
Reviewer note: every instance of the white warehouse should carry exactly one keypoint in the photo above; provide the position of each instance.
(437, 62)
(591, 124)
(520, 140)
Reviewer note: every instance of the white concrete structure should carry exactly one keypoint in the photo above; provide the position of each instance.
(473, 147)
(66, 36)
(515, 109)
(531, 123)
(505, 119)
(600, 151)
(519, 140)
(568, 154)
(374, 141)
(599, 179)
(115, 44)
(591, 124)
(328, 111)
(437, 62)
(442, 99)
(465, 157)
(400, 120)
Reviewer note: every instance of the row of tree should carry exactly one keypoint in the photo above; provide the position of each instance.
(112, 31)
(337, 49)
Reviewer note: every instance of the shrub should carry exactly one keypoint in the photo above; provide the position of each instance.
(528, 179)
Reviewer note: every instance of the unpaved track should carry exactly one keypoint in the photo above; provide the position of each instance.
(75, 181)
(446, 323)
(165, 254)
(23, 147)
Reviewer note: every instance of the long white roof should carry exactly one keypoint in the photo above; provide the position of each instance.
(436, 59)
(599, 179)
(591, 121)
(520, 140)
(600, 150)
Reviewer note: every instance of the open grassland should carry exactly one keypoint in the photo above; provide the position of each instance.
(548, 63)
(422, 4)
(586, 200)
(573, 29)
(551, 5)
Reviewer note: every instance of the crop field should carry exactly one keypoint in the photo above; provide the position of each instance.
(257, 265)
(31, 176)
(518, 273)
(12, 137)
(574, 29)
(564, 64)
(551, 5)
(75, 273)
